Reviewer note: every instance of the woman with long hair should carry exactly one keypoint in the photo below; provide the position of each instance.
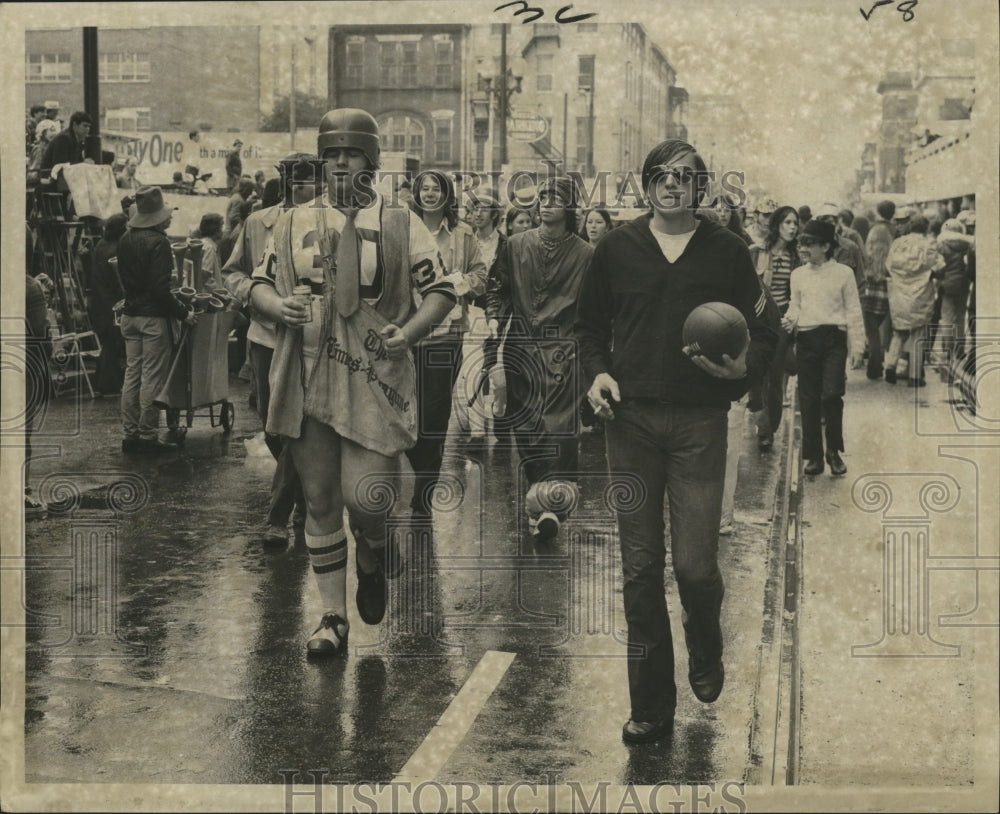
(774, 260)
(727, 211)
(518, 220)
(595, 224)
(435, 202)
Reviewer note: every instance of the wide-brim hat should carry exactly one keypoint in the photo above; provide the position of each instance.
(967, 217)
(149, 209)
(765, 205)
(820, 231)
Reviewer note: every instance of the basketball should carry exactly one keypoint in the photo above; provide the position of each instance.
(714, 329)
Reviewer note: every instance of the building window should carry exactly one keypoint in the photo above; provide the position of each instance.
(543, 72)
(442, 140)
(123, 67)
(408, 57)
(49, 68)
(585, 73)
(388, 57)
(398, 64)
(128, 119)
(444, 51)
(402, 134)
(355, 64)
(582, 139)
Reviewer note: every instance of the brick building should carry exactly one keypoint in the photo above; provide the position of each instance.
(163, 78)
(410, 78)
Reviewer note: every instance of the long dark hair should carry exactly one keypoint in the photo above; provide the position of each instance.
(448, 203)
(774, 227)
(586, 214)
(512, 214)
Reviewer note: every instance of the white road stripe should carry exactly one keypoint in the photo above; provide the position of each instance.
(452, 726)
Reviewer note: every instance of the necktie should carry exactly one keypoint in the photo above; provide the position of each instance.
(348, 266)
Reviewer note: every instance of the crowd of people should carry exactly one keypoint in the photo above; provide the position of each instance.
(361, 305)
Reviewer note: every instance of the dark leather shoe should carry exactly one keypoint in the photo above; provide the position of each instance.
(643, 732)
(890, 375)
(147, 445)
(837, 466)
(156, 445)
(765, 442)
(132, 444)
(371, 595)
(814, 467)
(706, 681)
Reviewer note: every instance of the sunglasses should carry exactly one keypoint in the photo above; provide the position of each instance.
(808, 241)
(679, 175)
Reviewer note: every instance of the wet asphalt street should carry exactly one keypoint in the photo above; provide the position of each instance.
(165, 643)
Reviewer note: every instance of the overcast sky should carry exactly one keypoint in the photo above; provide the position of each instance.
(807, 73)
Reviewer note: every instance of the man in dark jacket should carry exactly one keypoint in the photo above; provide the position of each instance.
(145, 263)
(68, 146)
(666, 410)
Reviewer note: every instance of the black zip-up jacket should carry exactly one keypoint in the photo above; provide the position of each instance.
(634, 302)
(145, 264)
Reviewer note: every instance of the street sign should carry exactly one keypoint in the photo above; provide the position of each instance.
(527, 128)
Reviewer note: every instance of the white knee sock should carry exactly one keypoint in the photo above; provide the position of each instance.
(328, 558)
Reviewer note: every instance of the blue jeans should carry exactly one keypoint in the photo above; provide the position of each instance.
(678, 451)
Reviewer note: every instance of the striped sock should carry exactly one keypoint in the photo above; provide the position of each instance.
(328, 558)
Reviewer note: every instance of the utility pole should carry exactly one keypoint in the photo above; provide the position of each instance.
(590, 127)
(91, 93)
(291, 103)
(502, 96)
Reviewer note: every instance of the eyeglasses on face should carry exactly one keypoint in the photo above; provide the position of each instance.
(808, 241)
(679, 175)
